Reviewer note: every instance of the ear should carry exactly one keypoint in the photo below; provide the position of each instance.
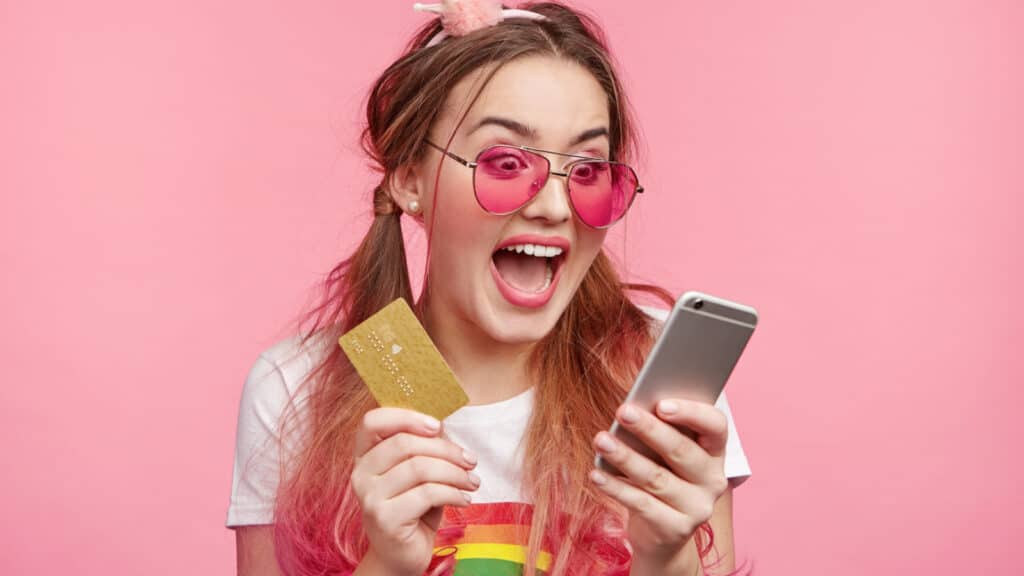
(404, 187)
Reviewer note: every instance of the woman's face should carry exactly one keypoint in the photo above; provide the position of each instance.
(512, 297)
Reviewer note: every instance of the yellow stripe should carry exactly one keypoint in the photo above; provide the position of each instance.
(510, 552)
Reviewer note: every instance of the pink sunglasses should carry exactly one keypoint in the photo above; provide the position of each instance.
(506, 178)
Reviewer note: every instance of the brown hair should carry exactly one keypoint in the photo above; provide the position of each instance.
(582, 368)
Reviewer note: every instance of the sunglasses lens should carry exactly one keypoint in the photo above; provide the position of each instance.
(506, 178)
(601, 192)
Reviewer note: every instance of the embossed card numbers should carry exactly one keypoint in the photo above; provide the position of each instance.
(400, 364)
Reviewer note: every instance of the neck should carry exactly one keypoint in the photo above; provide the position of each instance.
(489, 371)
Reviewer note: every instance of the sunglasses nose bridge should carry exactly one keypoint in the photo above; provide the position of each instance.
(548, 203)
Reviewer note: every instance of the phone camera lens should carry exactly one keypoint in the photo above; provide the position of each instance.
(698, 304)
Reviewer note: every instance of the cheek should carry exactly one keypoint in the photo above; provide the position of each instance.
(460, 222)
(591, 242)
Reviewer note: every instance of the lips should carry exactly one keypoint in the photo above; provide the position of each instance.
(526, 268)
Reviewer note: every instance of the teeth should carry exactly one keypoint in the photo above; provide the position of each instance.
(535, 250)
(548, 276)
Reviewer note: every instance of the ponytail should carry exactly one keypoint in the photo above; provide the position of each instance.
(317, 521)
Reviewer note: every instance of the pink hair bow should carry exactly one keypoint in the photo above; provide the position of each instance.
(460, 17)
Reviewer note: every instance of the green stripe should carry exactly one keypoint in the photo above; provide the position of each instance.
(488, 567)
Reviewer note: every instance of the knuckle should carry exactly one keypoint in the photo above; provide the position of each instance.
(643, 505)
(690, 527)
(433, 492)
(719, 484)
(621, 457)
(702, 510)
(680, 453)
(368, 421)
(372, 511)
(719, 423)
(659, 480)
(678, 531)
(418, 468)
(403, 443)
(356, 482)
(453, 451)
(645, 426)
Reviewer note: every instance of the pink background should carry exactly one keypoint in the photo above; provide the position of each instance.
(176, 176)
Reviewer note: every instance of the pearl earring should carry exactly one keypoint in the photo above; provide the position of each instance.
(414, 207)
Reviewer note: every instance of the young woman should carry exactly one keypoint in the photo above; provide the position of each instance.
(506, 135)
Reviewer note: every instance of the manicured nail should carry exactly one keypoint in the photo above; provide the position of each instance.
(605, 442)
(629, 415)
(431, 423)
(668, 407)
(474, 479)
(467, 497)
(469, 457)
(598, 478)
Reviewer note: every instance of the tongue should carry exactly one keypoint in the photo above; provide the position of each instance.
(522, 272)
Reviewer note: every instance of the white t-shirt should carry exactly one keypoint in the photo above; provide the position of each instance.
(491, 431)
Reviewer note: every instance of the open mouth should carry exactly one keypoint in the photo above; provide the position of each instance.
(528, 268)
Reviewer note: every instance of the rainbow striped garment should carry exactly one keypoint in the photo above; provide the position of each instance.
(495, 539)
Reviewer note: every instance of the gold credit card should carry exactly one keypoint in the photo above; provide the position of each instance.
(400, 364)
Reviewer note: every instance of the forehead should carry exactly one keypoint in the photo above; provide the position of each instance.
(556, 97)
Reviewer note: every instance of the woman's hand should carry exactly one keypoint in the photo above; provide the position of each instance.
(404, 475)
(667, 504)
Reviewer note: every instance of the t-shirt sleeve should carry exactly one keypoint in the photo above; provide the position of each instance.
(737, 468)
(256, 469)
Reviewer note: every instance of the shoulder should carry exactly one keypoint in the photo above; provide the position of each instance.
(657, 316)
(290, 358)
(276, 377)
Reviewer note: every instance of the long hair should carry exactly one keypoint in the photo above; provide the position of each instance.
(582, 368)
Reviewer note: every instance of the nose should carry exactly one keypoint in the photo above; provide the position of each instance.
(551, 203)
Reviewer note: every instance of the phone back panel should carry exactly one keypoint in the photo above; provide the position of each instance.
(701, 342)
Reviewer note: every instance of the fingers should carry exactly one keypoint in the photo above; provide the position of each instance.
(674, 499)
(386, 515)
(394, 449)
(418, 501)
(686, 457)
(381, 423)
(420, 470)
(670, 524)
(710, 423)
(640, 472)
(398, 460)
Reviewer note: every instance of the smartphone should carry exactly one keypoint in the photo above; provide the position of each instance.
(693, 357)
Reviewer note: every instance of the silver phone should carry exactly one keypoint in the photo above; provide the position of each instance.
(693, 357)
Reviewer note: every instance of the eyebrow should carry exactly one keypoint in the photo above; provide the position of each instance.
(531, 133)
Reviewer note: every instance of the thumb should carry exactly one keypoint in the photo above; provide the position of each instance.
(434, 517)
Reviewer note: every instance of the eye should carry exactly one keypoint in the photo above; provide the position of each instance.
(588, 172)
(504, 162)
(508, 163)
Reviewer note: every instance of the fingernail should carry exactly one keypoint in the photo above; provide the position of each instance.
(474, 479)
(431, 423)
(668, 407)
(629, 415)
(605, 442)
(467, 497)
(469, 457)
(598, 478)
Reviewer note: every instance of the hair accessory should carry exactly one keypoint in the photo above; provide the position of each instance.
(460, 17)
(414, 207)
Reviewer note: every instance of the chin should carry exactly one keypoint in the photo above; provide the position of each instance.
(516, 325)
(526, 331)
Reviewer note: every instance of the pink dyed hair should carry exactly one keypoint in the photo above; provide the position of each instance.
(584, 366)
